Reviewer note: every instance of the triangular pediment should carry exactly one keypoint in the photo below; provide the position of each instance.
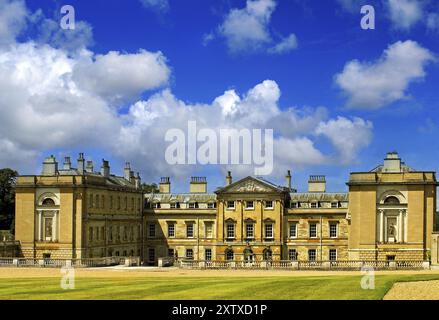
(250, 184)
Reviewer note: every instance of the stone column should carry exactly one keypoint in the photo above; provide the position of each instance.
(40, 225)
(381, 226)
(400, 235)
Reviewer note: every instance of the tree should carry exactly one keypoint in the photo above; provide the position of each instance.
(150, 188)
(7, 198)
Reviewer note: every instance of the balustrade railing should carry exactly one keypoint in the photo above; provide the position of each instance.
(77, 263)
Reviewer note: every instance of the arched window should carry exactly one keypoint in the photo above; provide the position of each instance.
(391, 200)
(248, 255)
(267, 254)
(48, 202)
(229, 255)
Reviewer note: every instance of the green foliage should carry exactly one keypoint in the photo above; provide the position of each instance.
(7, 198)
(150, 188)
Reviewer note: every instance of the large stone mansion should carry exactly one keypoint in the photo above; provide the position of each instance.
(387, 214)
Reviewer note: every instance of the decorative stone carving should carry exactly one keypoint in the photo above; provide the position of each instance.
(251, 186)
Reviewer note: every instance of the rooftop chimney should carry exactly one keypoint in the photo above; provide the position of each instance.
(138, 181)
(105, 168)
(127, 171)
(132, 178)
(67, 163)
(317, 184)
(288, 180)
(165, 185)
(392, 162)
(50, 166)
(89, 167)
(81, 163)
(198, 185)
(229, 178)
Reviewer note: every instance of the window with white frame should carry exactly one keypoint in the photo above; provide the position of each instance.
(249, 205)
(171, 230)
(333, 229)
(190, 253)
(292, 254)
(313, 230)
(250, 230)
(193, 205)
(175, 205)
(190, 230)
(208, 254)
(332, 254)
(155, 205)
(151, 230)
(230, 204)
(269, 204)
(293, 229)
(268, 231)
(294, 205)
(211, 205)
(230, 230)
(312, 255)
(314, 205)
(334, 205)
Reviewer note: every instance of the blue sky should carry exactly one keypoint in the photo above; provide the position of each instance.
(338, 119)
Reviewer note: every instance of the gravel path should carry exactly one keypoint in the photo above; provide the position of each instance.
(421, 290)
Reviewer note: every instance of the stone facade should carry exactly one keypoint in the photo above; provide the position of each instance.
(387, 214)
(73, 213)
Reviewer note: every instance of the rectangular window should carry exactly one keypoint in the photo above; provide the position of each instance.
(171, 230)
(333, 229)
(250, 230)
(230, 231)
(230, 204)
(269, 231)
(293, 229)
(294, 205)
(332, 254)
(175, 205)
(193, 205)
(334, 204)
(313, 230)
(90, 233)
(151, 255)
(156, 205)
(151, 230)
(249, 205)
(314, 205)
(171, 253)
(292, 254)
(189, 254)
(268, 204)
(211, 205)
(208, 254)
(110, 234)
(190, 230)
(312, 255)
(209, 230)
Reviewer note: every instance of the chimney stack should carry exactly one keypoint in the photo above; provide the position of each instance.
(288, 180)
(127, 171)
(138, 181)
(81, 163)
(132, 178)
(105, 168)
(317, 184)
(89, 167)
(229, 178)
(50, 166)
(165, 185)
(198, 185)
(67, 163)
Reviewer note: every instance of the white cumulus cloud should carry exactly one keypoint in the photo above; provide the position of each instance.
(405, 13)
(286, 45)
(377, 84)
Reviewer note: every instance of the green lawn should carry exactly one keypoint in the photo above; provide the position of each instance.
(175, 288)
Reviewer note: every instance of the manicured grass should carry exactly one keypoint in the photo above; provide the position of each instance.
(176, 288)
